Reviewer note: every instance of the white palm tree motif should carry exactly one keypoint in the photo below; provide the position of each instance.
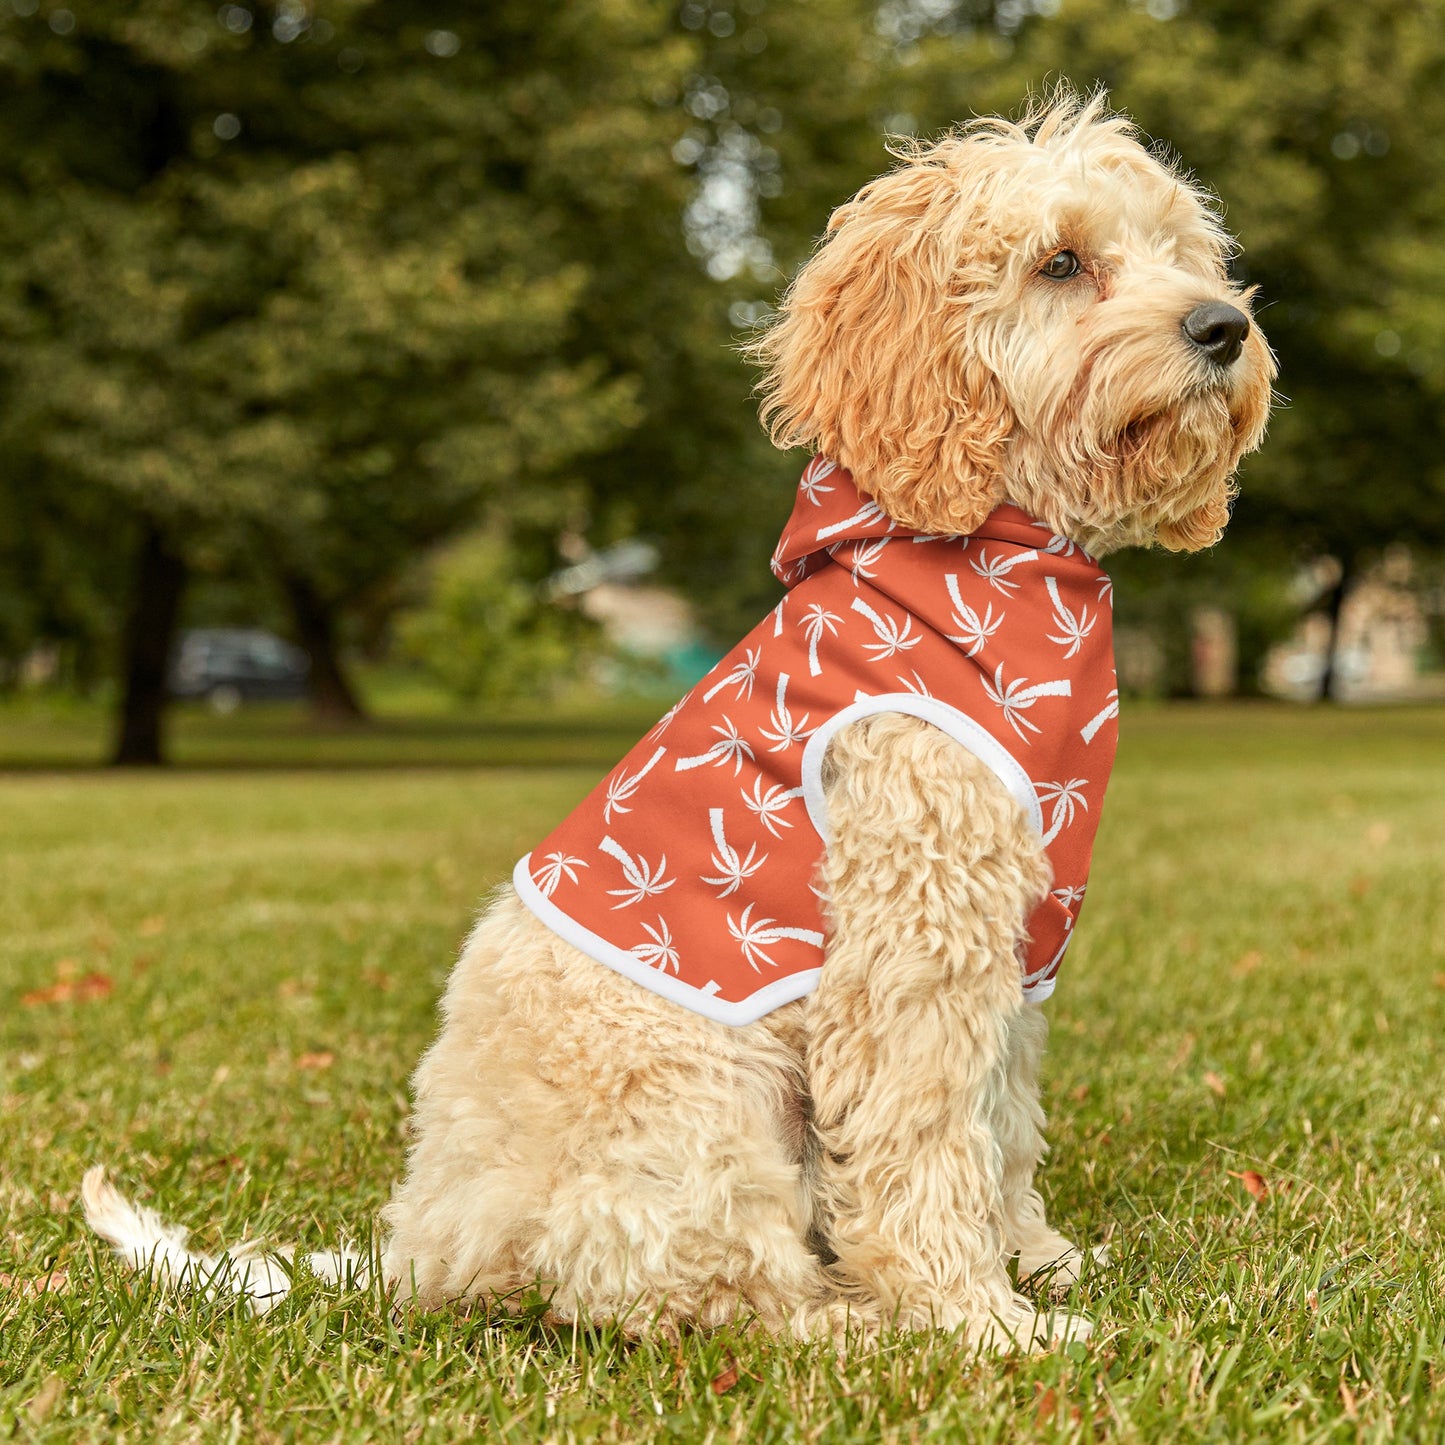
(733, 868)
(814, 622)
(915, 684)
(865, 516)
(995, 571)
(973, 631)
(1065, 797)
(769, 805)
(1060, 547)
(621, 786)
(892, 639)
(741, 676)
(865, 557)
(1074, 626)
(778, 618)
(660, 726)
(1015, 698)
(642, 879)
(1069, 897)
(814, 475)
(1106, 588)
(756, 935)
(783, 731)
(729, 747)
(555, 867)
(661, 952)
(1090, 729)
(794, 569)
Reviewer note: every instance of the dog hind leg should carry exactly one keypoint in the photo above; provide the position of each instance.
(576, 1133)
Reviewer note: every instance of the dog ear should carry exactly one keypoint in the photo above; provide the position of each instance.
(872, 360)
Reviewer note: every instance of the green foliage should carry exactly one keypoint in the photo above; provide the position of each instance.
(484, 633)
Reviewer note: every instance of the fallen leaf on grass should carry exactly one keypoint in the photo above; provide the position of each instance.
(724, 1382)
(66, 990)
(45, 1399)
(1347, 1399)
(1247, 963)
(56, 1282)
(1214, 1083)
(1255, 1183)
(152, 927)
(1079, 1094)
(377, 978)
(1439, 980)
(321, 1059)
(1046, 1407)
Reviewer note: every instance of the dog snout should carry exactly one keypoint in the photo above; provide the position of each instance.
(1218, 330)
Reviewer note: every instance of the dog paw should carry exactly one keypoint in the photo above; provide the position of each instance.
(1021, 1326)
(1057, 1266)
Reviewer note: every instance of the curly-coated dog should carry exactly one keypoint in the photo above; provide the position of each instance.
(756, 1032)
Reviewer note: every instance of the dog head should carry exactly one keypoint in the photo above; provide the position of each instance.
(1036, 312)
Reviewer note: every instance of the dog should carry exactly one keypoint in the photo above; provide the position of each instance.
(795, 1081)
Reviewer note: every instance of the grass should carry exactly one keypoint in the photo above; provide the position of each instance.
(218, 979)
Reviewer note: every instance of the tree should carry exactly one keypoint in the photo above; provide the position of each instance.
(306, 288)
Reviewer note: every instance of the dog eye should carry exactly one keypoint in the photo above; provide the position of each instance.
(1061, 266)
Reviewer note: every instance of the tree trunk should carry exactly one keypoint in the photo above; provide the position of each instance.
(1329, 675)
(333, 699)
(150, 629)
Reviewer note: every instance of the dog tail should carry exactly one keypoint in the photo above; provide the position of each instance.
(147, 1243)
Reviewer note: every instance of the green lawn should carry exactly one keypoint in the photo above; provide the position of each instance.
(217, 979)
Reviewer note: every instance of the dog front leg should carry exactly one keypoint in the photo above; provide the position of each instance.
(1019, 1127)
(931, 871)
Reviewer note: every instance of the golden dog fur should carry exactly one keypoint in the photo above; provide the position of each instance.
(866, 1156)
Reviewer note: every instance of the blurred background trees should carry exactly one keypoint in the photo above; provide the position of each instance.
(292, 294)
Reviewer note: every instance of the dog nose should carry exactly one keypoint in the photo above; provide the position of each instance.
(1218, 331)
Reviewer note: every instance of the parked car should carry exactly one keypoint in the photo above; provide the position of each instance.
(230, 665)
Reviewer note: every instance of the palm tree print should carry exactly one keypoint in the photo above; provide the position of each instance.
(1065, 797)
(783, 731)
(814, 622)
(742, 676)
(995, 572)
(661, 953)
(865, 557)
(769, 805)
(814, 475)
(729, 747)
(660, 726)
(866, 516)
(1071, 897)
(555, 867)
(892, 639)
(621, 786)
(756, 935)
(1016, 697)
(973, 631)
(1090, 729)
(1074, 626)
(733, 869)
(642, 879)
